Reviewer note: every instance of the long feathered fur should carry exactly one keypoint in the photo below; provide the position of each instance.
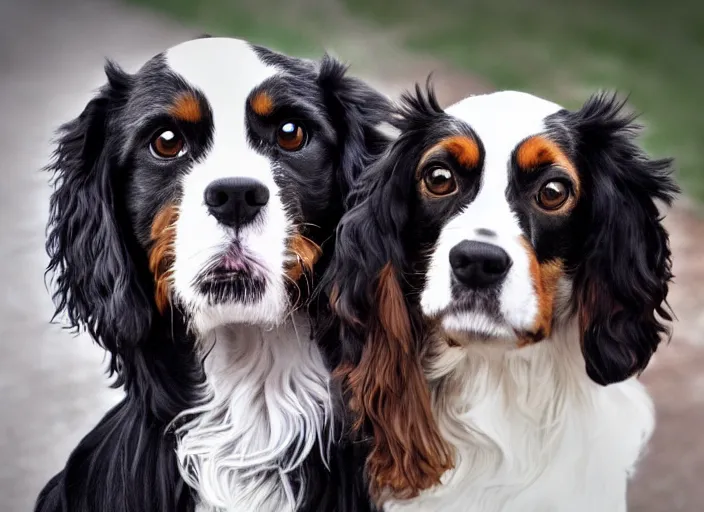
(103, 285)
(104, 282)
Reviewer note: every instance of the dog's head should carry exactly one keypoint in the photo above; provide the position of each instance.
(492, 222)
(203, 184)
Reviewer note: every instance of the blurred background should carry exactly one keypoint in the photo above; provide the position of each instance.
(52, 385)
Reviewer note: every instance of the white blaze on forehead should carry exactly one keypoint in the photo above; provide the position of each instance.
(505, 114)
(501, 121)
(224, 69)
(226, 72)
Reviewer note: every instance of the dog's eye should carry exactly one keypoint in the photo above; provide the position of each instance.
(291, 136)
(552, 195)
(439, 181)
(168, 144)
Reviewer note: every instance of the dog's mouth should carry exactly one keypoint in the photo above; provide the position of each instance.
(475, 325)
(477, 317)
(233, 276)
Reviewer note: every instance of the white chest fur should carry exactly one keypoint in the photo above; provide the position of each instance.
(532, 433)
(268, 406)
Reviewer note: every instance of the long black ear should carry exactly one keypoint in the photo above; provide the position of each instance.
(357, 110)
(96, 283)
(379, 332)
(621, 283)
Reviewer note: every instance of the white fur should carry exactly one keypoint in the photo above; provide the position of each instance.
(268, 404)
(501, 121)
(267, 401)
(531, 431)
(475, 322)
(226, 77)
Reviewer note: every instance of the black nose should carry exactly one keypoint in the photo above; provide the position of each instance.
(236, 201)
(478, 264)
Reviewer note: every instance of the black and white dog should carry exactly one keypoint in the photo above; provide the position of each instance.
(515, 249)
(191, 203)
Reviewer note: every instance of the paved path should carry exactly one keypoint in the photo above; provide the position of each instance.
(52, 389)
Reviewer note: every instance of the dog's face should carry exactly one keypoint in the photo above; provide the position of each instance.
(497, 186)
(494, 222)
(218, 170)
(231, 166)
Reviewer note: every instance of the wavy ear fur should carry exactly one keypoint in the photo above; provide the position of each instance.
(380, 332)
(621, 281)
(96, 280)
(357, 110)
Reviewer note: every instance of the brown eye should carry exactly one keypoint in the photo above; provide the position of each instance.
(552, 195)
(168, 144)
(439, 181)
(290, 136)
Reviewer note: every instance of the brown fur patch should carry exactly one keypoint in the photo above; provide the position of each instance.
(539, 150)
(546, 277)
(262, 104)
(390, 392)
(161, 254)
(306, 253)
(186, 107)
(463, 148)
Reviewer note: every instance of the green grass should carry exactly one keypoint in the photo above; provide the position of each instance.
(561, 49)
(652, 50)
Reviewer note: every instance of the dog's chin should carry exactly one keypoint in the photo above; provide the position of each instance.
(469, 326)
(475, 317)
(269, 311)
(248, 294)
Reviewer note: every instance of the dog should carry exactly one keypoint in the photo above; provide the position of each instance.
(191, 202)
(508, 256)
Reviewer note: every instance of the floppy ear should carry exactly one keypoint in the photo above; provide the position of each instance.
(356, 110)
(95, 277)
(380, 335)
(622, 281)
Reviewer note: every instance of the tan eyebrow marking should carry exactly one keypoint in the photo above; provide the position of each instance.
(262, 104)
(186, 107)
(463, 148)
(539, 150)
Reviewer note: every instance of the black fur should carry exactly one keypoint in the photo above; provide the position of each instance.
(622, 265)
(103, 285)
(98, 241)
(384, 225)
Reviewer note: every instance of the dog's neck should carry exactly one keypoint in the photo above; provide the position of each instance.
(548, 362)
(522, 419)
(537, 382)
(268, 406)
